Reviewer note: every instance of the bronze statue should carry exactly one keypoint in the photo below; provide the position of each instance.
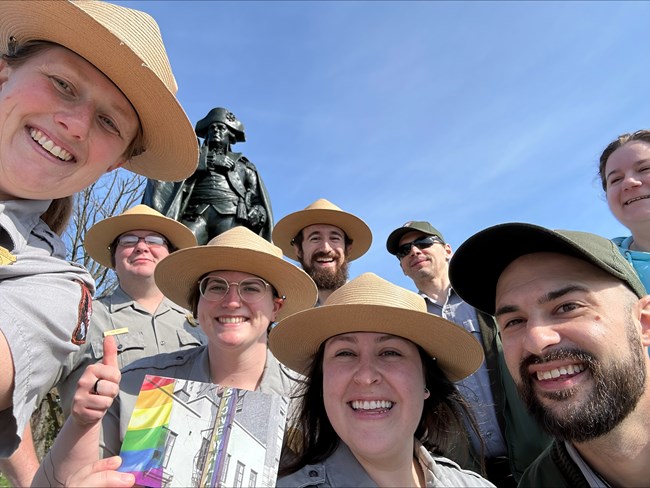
(225, 190)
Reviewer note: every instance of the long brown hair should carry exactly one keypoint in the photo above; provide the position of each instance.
(58, 214)
(310, 439)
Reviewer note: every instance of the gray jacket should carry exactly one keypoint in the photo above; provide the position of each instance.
(342, 469)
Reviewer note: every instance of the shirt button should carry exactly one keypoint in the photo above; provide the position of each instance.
(120, 347)
(489, 435)
(313, 473)
(162, 343)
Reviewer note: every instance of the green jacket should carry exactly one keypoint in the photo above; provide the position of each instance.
(524, 438)
(554, 468)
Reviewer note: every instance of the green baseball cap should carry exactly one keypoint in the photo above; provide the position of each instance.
(477, 264)
(392, 243)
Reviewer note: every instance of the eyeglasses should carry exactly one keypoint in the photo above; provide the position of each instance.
(130, 240)
(250, 290)
(421, 243)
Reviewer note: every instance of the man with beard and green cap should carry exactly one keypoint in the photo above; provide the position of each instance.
(574, 321)
(323, 239)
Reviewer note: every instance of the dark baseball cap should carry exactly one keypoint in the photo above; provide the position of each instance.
(477, 264)
(392, 244)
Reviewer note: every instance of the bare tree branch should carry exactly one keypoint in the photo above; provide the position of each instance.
(111, 195)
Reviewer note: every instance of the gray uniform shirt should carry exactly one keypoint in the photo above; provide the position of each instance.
(476, 387)
(342, 469)
(44, 304)
(167, 330)
(189, 364)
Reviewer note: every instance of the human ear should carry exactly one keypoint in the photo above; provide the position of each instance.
(644, 319)
(5, 69)
(298, 251)
(277, 305)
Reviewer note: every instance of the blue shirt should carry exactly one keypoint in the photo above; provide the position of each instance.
(476, 387)
(639, 260)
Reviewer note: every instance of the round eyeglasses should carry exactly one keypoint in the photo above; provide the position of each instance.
(250, 290)
(131, 240)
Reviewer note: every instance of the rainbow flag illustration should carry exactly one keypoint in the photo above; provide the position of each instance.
(143, 449)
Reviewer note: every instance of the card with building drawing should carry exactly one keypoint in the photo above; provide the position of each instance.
(189, 433)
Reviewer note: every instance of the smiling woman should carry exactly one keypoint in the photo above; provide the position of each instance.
(237, 286)
(82, 84)
(625, 176)
(379, 407)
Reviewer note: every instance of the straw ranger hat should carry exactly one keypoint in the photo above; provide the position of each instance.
(322, 212)
(369, 303)
(126, 46)
(140, 217)
(237, 249)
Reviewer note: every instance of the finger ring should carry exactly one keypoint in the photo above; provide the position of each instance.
(94, 390)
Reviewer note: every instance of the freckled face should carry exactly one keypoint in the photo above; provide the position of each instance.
(373, 391)
(63, 124)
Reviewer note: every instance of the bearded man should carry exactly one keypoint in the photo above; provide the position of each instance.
(574, 321)
(323, 239)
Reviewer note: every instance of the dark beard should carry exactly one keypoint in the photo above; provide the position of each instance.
(326, 280)
(615, 394)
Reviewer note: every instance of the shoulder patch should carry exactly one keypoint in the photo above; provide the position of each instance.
(6, 257)
(84, 312)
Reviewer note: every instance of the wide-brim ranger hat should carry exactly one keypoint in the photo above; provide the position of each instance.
(125, 45)
(237, 249)
(322, 212)
(141, 217)
(476, 266)
(369, 303)
(392, 243)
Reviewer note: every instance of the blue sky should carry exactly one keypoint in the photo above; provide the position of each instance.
(465, 114)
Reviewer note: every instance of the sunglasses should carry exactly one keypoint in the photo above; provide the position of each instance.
(421, 243)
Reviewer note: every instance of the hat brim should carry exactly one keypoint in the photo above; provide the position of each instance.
(355, 228)
(171, 147)
(296, 339)
(178, 274)
(477, 264)
(103, 233)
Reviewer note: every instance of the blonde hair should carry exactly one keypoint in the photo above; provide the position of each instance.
(58, 214)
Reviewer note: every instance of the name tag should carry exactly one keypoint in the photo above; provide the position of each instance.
(113, 332)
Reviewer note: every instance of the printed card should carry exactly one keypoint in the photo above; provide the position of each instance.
(188, 433)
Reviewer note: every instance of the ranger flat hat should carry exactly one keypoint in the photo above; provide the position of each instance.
(125, 45)
(237, 249)
(475, 268)
(369, 303)
(322, 212)
(392, 243)
(141, 217)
